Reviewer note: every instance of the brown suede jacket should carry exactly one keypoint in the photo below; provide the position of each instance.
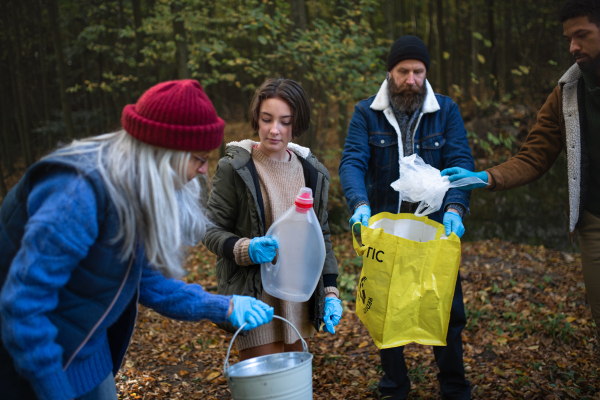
(557, 128)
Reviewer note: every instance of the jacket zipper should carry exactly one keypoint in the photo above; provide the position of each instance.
(389, 115)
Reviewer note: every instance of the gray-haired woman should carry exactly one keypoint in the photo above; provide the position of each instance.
(94, 228)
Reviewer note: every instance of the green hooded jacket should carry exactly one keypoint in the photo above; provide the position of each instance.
(236, 209)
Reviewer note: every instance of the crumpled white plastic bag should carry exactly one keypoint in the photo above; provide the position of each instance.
(421, 183)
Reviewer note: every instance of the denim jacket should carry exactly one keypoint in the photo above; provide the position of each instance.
(370, 161)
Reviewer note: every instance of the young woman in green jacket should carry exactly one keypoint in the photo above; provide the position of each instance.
(255, 183)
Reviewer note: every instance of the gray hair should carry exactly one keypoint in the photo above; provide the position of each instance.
(148, 188)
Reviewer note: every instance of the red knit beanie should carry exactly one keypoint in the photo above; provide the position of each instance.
(175, 115)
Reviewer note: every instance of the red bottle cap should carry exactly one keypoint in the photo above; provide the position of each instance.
(304, 198)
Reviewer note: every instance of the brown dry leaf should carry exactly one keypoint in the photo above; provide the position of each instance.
(363, 344)
(212, 376)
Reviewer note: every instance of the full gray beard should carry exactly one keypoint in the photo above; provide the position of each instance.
(403, 100)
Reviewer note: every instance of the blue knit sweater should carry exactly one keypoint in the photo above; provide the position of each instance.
(56, 284)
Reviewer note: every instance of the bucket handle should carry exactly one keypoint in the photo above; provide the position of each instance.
(226, 365)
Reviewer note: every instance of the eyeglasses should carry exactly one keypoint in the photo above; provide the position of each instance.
(201, 159)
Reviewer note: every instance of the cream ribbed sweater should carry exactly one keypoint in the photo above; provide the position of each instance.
(280, 182)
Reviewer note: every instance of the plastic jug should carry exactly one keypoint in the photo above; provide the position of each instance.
(299, 263)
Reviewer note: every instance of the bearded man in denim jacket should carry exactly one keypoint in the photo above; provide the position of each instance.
(407, 117)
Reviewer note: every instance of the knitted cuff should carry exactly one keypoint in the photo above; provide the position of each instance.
(334, 290)
(241, 252)
(458, 207)
(360, 203)
(330, 280)
(228, 248)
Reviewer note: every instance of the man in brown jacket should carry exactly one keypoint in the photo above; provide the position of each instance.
(570, 120)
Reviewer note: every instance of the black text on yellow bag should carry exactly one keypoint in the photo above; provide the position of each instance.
(407, 281)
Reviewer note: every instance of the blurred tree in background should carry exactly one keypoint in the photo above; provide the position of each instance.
(68, 67)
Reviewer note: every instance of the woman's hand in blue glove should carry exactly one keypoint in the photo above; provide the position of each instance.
(453, 223)
(456, 173)
(248, 309)
(362, 215)
(263, 249)
(333, 313)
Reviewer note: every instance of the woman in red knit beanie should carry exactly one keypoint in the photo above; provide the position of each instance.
(93, 229)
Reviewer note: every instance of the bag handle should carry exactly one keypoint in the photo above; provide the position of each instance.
(357, 248)
(226, 364)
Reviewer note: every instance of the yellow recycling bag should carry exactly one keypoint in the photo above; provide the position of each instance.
(407, 281)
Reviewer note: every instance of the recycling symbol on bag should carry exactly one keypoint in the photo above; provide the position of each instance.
(363, 295)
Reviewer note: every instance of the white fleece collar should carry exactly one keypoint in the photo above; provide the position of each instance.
(247, 145)
(572, 74)
(382, 101)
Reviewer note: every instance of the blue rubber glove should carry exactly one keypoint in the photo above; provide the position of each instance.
(456, 173)
(362, 215)
(333, 313)
(248, 309)
(263, 249)
(453, 223)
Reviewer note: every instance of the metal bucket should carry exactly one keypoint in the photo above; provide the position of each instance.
(282, 376)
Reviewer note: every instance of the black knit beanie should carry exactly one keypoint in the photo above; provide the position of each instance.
(408, 48)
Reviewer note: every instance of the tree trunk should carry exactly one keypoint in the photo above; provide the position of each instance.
(298, 14)
(40, 24)
(507, 53)
(3, 190)
(492, 61)
(6, 152)
(464, 52)
(181, 52)
(150, 5)
(106, 122)
(342, 123)
(125, 71)
(20, 91)
(414, 17)
(428, 11)
(326, 123)
(270, 7)
(52, 6)
(442, 76)
(86, 103)
(400, 16)
(139, 40)
(389, 25)
(474, 45)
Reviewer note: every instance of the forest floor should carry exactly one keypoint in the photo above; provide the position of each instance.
(529, 335)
